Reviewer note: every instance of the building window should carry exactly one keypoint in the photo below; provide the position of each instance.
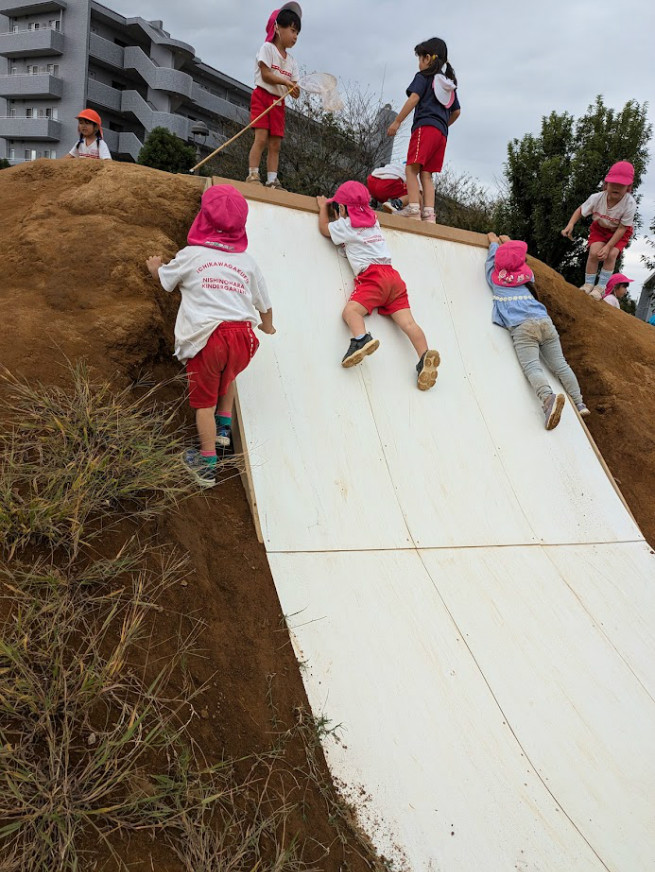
(50, 153)
(30, 154)
(12, 154)
(53, 69)
(29, 113)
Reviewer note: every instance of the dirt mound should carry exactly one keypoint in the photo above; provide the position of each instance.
(75, 235)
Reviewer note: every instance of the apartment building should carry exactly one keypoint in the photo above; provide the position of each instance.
(59, 56)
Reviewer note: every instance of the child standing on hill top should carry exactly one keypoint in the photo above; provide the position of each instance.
(617, 288)
(432, 95)
(533, 333)
(613, 211)
(221, 288)
(90, 144)
(354, 226)
(276, 75)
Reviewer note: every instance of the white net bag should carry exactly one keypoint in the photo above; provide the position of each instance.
(324, 85)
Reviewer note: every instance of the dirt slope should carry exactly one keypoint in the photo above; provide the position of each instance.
(74, 237)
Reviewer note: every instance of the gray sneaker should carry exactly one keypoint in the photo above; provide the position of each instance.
(553, 406)
(358, 350)
(583, 410)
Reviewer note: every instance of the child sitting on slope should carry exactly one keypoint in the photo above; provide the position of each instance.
(354, 226)
(613, 211)
(516, 308)
(221, 287)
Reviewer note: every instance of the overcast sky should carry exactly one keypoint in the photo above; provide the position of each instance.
(516, 61)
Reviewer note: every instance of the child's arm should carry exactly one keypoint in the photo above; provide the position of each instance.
(573, 220)
(410, 105)
(272, 78)
(454, 116)
(606, 249)
(153, 263)
(267, 322)
(323, 219)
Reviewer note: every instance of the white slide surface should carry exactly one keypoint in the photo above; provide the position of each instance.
(471, 601)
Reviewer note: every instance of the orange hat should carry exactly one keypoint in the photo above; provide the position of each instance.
(91, 115)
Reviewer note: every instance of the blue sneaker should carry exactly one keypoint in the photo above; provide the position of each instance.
(196, 464)
(584, 411)
(223, 435)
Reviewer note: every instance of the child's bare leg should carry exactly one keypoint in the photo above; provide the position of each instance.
(405, 320)
(353, 314)
(411, 173)
(610, 260)
(428, 190)
(273, 156)
(592, 258)
(206, 426)
(258, 146)
(225, 403)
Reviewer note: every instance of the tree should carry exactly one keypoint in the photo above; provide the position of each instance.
(165, 151)
(4, 164)
(550, 174)
(321, 149)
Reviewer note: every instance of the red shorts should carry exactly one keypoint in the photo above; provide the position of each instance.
(380, 287)
(427, 148)
(272, 121)
(604, 234)
(385, 189)
(229, 350)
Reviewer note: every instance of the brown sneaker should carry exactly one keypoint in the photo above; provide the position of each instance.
(427, 369)
(275, 184)
(253, 178)
(553, 406)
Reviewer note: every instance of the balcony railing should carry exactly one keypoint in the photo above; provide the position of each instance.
(29, 43)
(13, 9)
(28, 86)
(43, 129)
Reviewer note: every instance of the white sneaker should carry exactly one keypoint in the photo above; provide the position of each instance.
(587, 288)
(428, 215)
(411, 211)
(597, 293)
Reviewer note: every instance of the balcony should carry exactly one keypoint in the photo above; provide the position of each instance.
(219, 105)
(29, 43)
(36, 129)
(159, 78)
(104, 95)
(27, 87)
(101, 49)
(12, 9)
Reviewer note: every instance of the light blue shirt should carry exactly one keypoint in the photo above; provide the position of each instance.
(512, 306)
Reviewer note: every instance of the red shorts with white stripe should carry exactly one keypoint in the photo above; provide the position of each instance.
(273, 121)
(427, 148)
(604, 234)
(380, 287)
(385, 189)
(228, 351)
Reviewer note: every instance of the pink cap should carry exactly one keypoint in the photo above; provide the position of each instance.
(356, 197)
(270, 24)
(510, 268)
(621, 173)
(221, 221)
(616, 279)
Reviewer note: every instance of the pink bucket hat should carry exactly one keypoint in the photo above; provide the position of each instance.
(616, 279)
(270, 25)
(356, 197)
(221, 221)
(510, 268)
(621, 173)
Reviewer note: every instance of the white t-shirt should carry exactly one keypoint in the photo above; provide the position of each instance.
(622, 213)
(216, 286)
(96, 151)
(287, 67)
(362, 245)
(391, 171)
(612, 300)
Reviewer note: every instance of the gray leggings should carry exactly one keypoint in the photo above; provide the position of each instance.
(539, 335)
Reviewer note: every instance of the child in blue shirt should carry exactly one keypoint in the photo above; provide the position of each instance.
(516, 308)
(433, 98)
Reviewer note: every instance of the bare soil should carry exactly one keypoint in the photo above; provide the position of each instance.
(74, 236)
